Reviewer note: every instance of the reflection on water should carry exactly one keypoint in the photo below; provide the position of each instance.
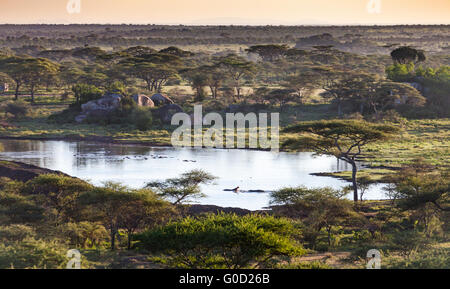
(135, 165)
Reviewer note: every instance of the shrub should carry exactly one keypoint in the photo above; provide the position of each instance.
(85, 92)
(57, 192)
(18, 109)
(33, 254)
(85, 234)
(222, 241)
(14, 233)
(141, 118)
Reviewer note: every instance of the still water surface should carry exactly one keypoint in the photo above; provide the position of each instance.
(135, 165)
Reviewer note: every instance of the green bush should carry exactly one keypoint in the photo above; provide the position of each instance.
(33, 254)
(15, 233)
(19, 109)
(141, 118)
(222, 241)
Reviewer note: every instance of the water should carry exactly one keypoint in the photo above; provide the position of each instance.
(136, 165)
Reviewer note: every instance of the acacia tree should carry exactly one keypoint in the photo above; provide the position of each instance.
(237, 69)
(13, 67)
(406, 54)
(214, 77)
(224, 241)
(117, 207)
(387, 93)
(155, 69)
(330, 80)
(269, 52)
(344, 139)
(282, 96)
(303, 83)
(35, 72)
(321, 207)
(181, 189)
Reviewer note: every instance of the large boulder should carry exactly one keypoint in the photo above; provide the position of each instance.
(143, 100)
(161, 99)
(166, 112)
(102, 106)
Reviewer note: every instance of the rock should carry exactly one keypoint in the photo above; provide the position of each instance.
(160, 99)
(143, 100)
(166, 112)
(99, 107)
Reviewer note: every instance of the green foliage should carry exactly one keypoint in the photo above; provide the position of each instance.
(85, 234)
(32, 254)
(16, 233)
(17, 209)
(19, 109)
(406, 54)
(400, 72)
(322, 208)
(184, 188)
(222, 241)
(57, 193)
(117, 206)
(141, 118)
(85, 92)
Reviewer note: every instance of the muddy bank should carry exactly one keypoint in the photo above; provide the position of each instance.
(23, 172)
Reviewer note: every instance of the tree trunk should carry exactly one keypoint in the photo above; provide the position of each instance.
(113, 240)
(129, 240)
(32, 94)
(16, 95)
(354, 184)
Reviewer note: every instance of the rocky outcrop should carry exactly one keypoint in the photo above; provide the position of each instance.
(99, 107)
(143, 100)
(166, 112)
(161, 99)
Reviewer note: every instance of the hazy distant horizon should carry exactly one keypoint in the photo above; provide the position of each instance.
(231, 12)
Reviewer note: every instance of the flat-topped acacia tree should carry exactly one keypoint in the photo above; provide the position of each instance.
(344, 139)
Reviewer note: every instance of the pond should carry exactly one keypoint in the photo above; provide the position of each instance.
(135, 165)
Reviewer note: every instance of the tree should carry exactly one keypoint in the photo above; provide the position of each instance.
(387, 94)
(282, 96)
(321, 208)
(406, 54)
(85, 92)
(13, 67)
(237, 68)
(417, 185)
(181, 189)
(222, 241)
(143, 208)
(343, 139)
(117, 206)
(57, 193)
(155, 68)
(332, 84)
(303, 83)
(269, 52)
(35, 72)
(214, 77)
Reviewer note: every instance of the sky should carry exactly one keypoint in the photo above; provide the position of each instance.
(217, 12)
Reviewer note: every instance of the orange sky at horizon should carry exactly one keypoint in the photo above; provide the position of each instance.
(214, 12)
